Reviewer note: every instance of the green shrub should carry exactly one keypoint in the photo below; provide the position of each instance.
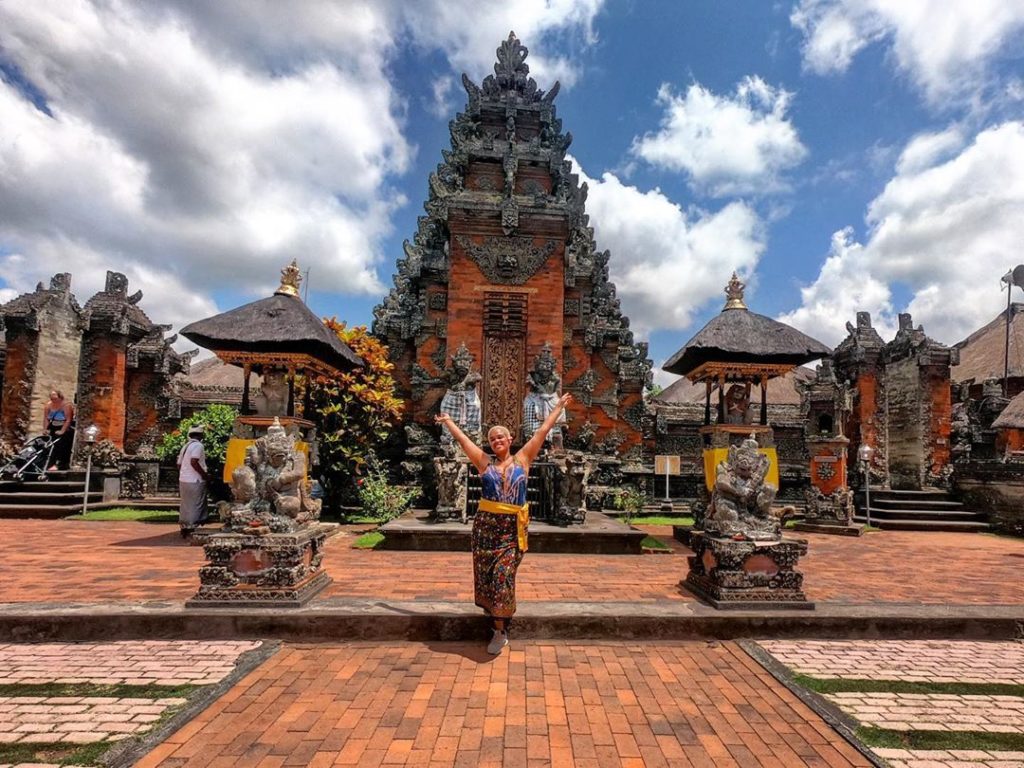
(630, 500)
(218, 420)
(381, 500)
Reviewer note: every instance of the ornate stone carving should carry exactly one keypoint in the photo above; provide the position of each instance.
(508, 260)
(746, 574)
(741, 501)
(573, 468)
(462, 401)
(451, 488)
(835, 508)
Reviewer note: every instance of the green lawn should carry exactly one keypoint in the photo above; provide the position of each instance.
(650, 542)
(127, 513)
(660, 520)
(368, 540)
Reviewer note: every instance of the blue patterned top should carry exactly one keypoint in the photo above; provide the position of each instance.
(510, 489)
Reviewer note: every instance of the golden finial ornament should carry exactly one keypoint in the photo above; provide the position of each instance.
(290, 279)
(734, 293)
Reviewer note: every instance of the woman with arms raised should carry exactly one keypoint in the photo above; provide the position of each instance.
(499, 529)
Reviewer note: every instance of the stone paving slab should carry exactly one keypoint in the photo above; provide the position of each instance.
(539, 704)
(78, 720)
(155, 662)
(934, 711)
(132, 562)
(953, 758)
(935, 661)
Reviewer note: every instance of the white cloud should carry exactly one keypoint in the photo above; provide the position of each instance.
(946, 230)
(945, 46)
(201, 146)
(666, 262)
(727, 145)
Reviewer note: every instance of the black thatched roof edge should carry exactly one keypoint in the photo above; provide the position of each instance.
(278, 323)
(734, 336)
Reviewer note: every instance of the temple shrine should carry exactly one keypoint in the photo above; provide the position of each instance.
(504, 266)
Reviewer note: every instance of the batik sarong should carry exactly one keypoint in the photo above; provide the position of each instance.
(496, 550)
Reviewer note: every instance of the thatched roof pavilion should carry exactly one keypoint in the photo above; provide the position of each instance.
(278, 330)
(1012, 416)
(738, 345)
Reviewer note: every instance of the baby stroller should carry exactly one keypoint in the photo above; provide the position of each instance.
(31, 461)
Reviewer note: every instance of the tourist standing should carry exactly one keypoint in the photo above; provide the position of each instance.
(499, 529)
(58, 423)
(192, 479)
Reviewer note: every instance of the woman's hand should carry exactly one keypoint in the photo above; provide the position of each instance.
(564, 400)
(442, 418)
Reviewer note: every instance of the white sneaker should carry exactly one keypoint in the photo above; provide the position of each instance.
(499, 641)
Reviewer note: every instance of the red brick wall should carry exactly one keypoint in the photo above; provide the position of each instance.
(102, 388)
(19, 374)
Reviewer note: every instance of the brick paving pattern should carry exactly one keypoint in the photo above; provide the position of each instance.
(157, 662)
(540, 704)
(934, 661)
(952, 758)
(934, 711)
(77, 720)
(128, 561)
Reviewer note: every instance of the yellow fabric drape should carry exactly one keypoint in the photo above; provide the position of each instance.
(522, 516)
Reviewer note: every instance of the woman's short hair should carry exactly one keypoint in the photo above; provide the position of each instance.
(60, 395)
(498, 428)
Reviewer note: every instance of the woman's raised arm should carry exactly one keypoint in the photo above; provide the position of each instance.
(473, 451)
(531, 449)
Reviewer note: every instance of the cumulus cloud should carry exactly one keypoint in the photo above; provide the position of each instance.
(727, 144)
(946, 47)
(668, 262)
(200, 146)
(945, 228)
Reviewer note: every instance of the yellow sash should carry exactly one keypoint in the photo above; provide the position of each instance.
(522, 516)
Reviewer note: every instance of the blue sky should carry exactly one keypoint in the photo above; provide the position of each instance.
(841, 154)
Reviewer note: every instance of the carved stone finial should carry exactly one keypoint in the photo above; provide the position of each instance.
(734, 293)
(511, 58)
(290, 279)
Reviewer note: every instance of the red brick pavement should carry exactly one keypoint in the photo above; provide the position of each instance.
(540, 704)
(74, 561)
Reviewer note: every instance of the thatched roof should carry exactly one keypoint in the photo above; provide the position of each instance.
(279, 323)
(782, 390)
(982, 353)
(741, 336)
(213, 372)
(1012, 416)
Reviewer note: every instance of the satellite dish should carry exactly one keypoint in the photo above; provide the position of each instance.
(1017, 276)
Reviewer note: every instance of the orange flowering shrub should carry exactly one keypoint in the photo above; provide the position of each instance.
(356, 412)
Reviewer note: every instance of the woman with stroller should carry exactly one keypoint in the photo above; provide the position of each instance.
(58, 423)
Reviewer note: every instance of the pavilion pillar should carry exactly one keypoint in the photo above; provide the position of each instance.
(246, 371)
(291, 391)
(764, 400)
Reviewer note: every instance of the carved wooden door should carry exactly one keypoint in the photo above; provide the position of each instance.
(504, 360)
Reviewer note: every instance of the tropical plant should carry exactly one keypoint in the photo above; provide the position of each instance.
(630, 500)
(379, 499)
(217, 421)
(355, 412)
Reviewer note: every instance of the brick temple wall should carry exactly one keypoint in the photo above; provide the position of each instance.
(19, 373)
(907, 424)
(102, 378)
(143, 426)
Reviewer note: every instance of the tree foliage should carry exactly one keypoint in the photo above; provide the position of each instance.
(356, 413)
(218, 421)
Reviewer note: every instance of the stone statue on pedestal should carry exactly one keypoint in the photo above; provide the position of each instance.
(451, 488)
(270, 488)
(461, 401)
(573, 468)
(544, 385)
(741, 501)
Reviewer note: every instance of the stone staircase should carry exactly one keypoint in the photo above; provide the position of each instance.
(926, 510)
(58, 496)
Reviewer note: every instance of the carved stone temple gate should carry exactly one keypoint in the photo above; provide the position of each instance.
(505, 263)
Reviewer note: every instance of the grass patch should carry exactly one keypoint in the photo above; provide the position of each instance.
(650, 542)
(358, 519)
(62, 754)
(819, 685)
(368, 540)
(660, 520)
(982, 740)
(119, 691)
(127, 513)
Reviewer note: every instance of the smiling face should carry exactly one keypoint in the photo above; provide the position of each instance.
(501, 440)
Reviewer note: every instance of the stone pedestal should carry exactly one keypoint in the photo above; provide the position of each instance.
(276, 570)
(732, 574)
(451, 488)
(829, 501)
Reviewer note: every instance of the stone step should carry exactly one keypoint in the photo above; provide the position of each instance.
(924, 514)
(41, 512)
(35, 499)
(916, 503)
(925, 525)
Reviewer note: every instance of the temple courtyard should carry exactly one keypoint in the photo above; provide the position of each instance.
(911, 658)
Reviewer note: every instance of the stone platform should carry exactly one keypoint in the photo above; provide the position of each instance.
(833, 529)
(600, 535)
